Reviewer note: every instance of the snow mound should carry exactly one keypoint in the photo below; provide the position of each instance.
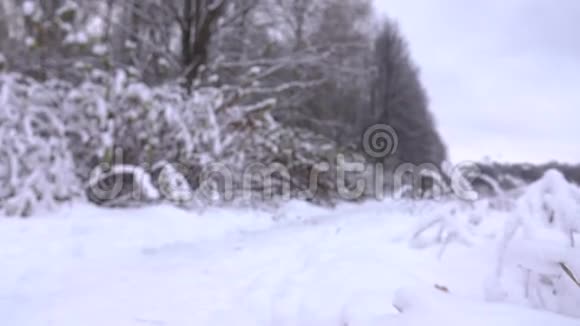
(421, 307)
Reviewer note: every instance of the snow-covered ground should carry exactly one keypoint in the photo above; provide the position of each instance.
(296, 265)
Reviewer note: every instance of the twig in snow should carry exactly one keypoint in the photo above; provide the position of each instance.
(570, 274)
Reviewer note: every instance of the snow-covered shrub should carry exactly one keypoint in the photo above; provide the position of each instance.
(90, 131)
(58, 139)
(121, 122)
(537, 234)
(36, 166)
(113, 131)
(446, 223)
(540, 239)
(447, 220)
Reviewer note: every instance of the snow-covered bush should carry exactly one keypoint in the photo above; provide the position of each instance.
(445, 224)
(540, 239)
(119, 121)
(448, 220)
(36, 164)
(536, 231)
(114, 137)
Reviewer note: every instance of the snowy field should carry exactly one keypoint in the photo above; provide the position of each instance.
(294, 265)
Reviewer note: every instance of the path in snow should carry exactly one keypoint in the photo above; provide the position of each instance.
(162, 266)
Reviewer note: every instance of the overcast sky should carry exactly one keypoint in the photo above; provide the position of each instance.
(503, 75)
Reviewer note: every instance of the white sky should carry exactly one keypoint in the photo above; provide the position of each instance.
(503, 75)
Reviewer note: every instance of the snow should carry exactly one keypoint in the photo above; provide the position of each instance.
(29, 41)
(100, 49)
(293, 265)
(76, 38)
(426, 307)
(28, 8)
(96, 27)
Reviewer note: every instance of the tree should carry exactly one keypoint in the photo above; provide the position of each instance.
(400, 101)
(324, 47)
(178, 33)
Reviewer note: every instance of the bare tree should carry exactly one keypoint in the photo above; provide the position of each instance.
(319, 52)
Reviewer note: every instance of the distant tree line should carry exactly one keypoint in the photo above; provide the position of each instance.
(514, 175)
